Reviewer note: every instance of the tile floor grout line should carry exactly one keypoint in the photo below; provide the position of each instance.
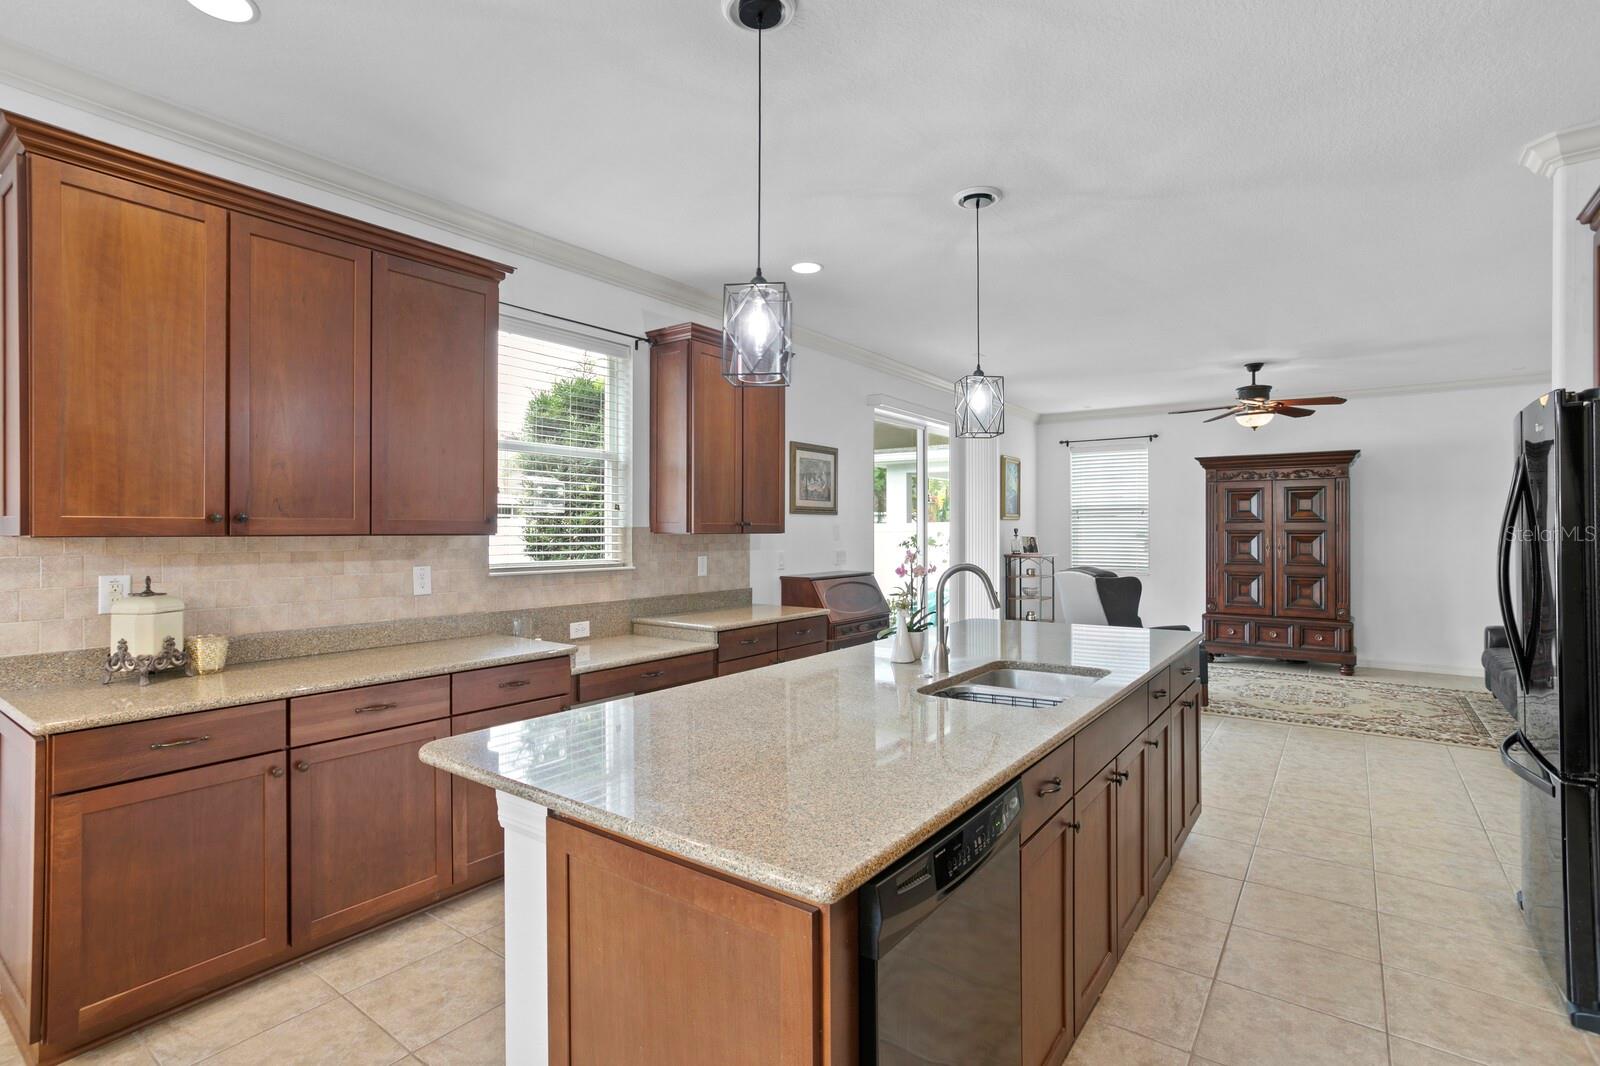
(1303, 1006)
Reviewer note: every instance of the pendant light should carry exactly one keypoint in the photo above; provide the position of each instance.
(980, 397)
(757, 323)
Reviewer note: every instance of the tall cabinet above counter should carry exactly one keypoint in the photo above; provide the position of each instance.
(187, 356)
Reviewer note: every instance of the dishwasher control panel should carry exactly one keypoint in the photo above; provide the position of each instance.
(956, 854)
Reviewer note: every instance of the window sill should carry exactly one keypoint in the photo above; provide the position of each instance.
(534, 571)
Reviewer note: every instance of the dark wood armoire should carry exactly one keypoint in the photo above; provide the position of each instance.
(1278, 557)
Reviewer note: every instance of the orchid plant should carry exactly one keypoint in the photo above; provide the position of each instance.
(912, 597)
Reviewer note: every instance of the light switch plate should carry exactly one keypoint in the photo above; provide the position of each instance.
(578, 630)
(780, 562)
(839, 558)
(700, 566)
(422, 581)
(111, 586)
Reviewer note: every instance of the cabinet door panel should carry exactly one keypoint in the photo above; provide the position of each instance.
(716, 445)
(1133, 886)
(1190, 742)
(434, 350)
(370, 828)
(1160, 755)
(763, 458)
(128, 357)
(1241, 541)
(162, 888)
(1047, 998)
(1094, 918)
(299, 376)
(1304, 573)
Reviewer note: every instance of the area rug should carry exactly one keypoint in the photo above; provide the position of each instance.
(1358, 704)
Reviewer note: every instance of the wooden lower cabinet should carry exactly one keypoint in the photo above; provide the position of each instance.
(1047, 949)
(477, 842)
(1133, 882)
(1094, 904)
(1160, 835)
(162, 889)
(1188, 708)
(369, 831)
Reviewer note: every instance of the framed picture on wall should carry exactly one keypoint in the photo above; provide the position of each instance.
(1010, 487)
(813, 479)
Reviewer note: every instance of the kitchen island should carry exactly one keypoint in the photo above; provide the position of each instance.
(708, 842)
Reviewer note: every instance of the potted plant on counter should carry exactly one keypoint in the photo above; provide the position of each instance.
(909, 604)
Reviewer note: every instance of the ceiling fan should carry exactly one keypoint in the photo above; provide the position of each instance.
(1255, 406)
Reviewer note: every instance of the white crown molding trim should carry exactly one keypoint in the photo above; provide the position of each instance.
(1553, 151)
(30, 72)
(1541, 380)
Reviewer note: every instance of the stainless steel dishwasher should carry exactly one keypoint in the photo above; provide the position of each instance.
(941, 946)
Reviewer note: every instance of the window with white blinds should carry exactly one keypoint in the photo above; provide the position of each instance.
(565, 437)
(1110, 494)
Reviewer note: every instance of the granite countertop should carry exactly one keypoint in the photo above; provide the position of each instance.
(602, 653)
(808, 777)
(732, 617)
(64, 708)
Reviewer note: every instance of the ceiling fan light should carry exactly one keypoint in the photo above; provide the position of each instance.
(980, 405)
(1253, 419)
(757, 331)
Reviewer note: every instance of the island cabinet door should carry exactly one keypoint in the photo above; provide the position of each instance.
(1047, 995)
(1133, 886)
(652, 960)
(1160, 754)
(1190, 744)
(369, 829)
(1094, 873)
(162, 889)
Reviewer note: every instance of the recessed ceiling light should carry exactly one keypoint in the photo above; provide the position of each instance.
(806, 268)
(228, 10)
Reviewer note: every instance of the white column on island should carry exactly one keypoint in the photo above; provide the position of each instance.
(527, 932)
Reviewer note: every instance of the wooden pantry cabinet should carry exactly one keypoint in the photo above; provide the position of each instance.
(716, 450)
(187, 356)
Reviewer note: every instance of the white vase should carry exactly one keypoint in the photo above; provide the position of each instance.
(902, 651)
(919, 642)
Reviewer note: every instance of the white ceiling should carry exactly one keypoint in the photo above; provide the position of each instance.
(1190, 184)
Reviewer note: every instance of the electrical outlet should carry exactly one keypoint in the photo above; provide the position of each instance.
(577, 630)
(422, 581)
(112, 587)
(780, 562)
(700, 566)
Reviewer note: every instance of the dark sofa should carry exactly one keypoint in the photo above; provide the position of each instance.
(1499, 671)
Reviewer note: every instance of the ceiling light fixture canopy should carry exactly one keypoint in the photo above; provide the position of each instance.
(980, 397)
(228, 10)
(757, 317)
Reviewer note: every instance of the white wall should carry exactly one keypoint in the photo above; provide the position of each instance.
(1572, 338)
(1426, 498)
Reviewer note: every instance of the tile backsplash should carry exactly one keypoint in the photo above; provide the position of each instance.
(242, 585)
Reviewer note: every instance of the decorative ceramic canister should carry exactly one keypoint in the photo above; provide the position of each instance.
(145, 620)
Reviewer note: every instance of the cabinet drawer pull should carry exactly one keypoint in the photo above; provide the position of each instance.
(302, 766)
(1050, 786)
(1159, 694)
(1153, 743)
(276, 771)
(374, 708)
(1186, 670)
(652, 673)
(184, 743)
(749, 641)
(520, 683)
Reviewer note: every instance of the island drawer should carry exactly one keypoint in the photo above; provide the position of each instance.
(789, 655)
(749, 662)
(117, 753)
(1107, 735)
(1161, 691)
(1046, 787)
(752, 640)
(802, 631)
(646, 677)
(351, 712)
(1186, 669)
(497, 686)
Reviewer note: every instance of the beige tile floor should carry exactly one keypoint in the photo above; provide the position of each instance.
(1344, 899)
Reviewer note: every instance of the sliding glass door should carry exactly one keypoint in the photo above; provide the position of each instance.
(910, 504)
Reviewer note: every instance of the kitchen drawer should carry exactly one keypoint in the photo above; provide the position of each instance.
(353, 711)
(1046, 787)
(1275, 634)
(117, 753)
(1161, 691)
(1226, 631)
(646, 677)
(752, 640)
(802, 631)
(749, 662)
(1186, 669)
(789, 655)
(1107, 735)
(478, 690)
(1188, 698)
(1328, 637)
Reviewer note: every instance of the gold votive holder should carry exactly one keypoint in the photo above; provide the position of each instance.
(208, 652)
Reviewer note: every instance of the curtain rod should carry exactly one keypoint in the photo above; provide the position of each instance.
(637, 340)
(1097, 440)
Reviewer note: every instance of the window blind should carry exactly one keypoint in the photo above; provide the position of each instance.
(565, 437)
(1110, 497)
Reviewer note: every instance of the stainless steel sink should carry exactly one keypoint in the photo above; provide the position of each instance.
(1017, 687)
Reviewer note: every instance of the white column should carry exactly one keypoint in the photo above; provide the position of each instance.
(527, 932)
(1571, 159)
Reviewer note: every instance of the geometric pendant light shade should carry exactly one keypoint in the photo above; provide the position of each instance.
(980, 397)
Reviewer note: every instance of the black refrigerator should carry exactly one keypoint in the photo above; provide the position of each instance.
(1549, 583)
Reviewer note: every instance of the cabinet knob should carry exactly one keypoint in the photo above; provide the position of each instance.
(241, 517)
(276, 771)
(302, 766)
(1153, 743)
(1074, 826)
(1051, 786)
(213, 517)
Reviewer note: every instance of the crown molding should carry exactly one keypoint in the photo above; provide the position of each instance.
(70, 86)
(1553, 151)
(1058, 417)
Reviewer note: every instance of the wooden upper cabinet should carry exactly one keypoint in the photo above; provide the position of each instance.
(299, 375)
(716, 450)
(434, 351)
(127, 362)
